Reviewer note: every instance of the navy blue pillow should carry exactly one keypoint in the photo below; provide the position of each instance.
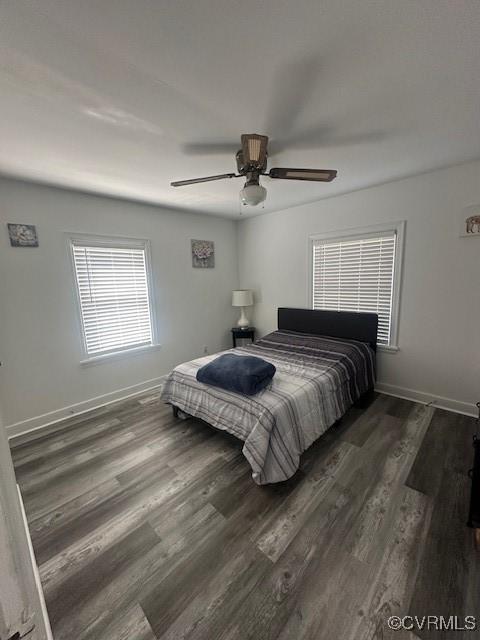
(243, 374)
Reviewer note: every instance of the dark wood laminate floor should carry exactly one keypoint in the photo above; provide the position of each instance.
(149, 527)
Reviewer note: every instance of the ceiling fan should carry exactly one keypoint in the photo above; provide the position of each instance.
(252, 163)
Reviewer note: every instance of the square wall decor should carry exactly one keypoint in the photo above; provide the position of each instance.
(22, 235)
(203, 254)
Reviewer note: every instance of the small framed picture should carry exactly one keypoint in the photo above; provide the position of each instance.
(203, 254)
(469, 222)
(23, 235)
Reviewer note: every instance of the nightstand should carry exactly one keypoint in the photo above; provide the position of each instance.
(238, 332)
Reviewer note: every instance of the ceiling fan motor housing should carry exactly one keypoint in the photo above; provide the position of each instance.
(246, 167)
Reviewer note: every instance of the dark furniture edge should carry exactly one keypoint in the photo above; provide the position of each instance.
(336, 324)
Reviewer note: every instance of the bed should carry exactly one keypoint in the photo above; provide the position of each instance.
(325, 362)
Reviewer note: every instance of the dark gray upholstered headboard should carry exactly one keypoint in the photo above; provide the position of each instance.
(337, 324)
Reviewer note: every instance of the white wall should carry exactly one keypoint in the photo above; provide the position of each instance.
(439, 330)
(40, 342)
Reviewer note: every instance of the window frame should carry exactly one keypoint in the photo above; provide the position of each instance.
(359, 233)
(120, 242)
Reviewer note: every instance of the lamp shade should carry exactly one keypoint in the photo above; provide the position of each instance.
(242, 298)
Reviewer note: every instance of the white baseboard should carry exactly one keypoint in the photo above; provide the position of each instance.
(466, 408)
(39, 422)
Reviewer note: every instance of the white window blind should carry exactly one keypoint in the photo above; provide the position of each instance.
(356, 274)
(114, 297)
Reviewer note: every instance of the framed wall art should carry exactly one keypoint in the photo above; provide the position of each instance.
(203, 254)
(22, 235)
(469, 222)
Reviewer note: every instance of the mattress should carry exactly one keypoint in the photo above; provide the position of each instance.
(318, 378)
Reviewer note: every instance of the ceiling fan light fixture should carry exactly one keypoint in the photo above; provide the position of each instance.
(253, 194)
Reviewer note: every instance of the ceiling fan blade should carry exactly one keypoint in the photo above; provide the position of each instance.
(210, 148)
(293, 86)
(182, 183)
(324, 136)
(313, 175)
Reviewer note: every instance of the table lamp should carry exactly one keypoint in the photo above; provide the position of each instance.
(242, 298)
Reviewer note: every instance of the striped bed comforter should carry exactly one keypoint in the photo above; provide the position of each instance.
(318, 378)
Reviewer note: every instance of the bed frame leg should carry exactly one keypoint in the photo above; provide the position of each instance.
(175, 411)
(366, 399)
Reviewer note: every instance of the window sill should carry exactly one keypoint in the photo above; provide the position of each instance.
(387, 348)
(119, 355)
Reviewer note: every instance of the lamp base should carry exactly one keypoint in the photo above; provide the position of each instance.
(243, 321)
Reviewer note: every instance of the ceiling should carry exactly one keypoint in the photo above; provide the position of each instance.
(113, 96)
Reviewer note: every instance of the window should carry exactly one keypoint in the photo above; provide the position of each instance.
(358, 271)
(113, 293)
